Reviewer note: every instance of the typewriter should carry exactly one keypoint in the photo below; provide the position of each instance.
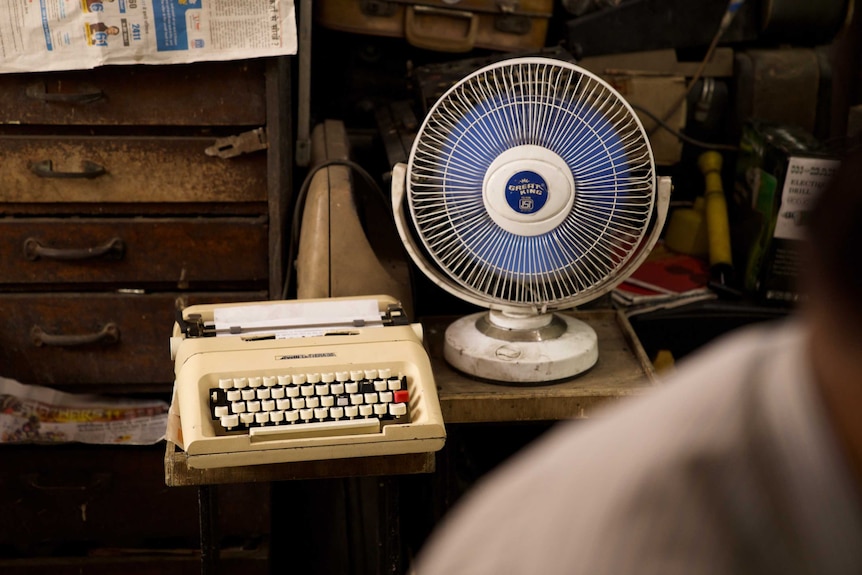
(281, 381)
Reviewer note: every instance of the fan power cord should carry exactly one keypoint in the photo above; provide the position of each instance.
(298, 208)
(683, 137)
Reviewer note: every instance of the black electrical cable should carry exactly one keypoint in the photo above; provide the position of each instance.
(683, 137)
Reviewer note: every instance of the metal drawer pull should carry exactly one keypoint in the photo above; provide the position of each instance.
(39, 92)
(113, 249)
(110, 334)
(45, 169)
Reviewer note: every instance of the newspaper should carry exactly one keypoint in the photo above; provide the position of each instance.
(35, 414)
(47, 35)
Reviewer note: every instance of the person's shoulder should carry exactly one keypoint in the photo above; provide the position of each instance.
(703, 390)
(589, 485)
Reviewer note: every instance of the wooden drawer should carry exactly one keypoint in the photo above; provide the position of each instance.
(74, 498)
(171, 253)
(46, 170)
(204, 94)
(95, 341)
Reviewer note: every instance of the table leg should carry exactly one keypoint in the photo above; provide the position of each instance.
(208, 515)
(389, 526)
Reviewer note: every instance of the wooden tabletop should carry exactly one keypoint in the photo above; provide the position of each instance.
(622, 370)
(178, 473)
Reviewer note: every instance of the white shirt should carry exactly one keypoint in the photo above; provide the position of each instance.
(729, 467)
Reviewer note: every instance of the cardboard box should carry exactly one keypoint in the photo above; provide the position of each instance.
(780, 172)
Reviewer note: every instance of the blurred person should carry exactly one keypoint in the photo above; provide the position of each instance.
(747, 459)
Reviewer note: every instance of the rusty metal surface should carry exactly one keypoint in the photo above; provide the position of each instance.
(203, 94)
(244, 143)
(135, 170)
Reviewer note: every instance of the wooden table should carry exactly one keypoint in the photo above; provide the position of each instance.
(178, 473)
(622, 370)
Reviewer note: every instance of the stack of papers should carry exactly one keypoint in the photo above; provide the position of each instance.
(665, 279)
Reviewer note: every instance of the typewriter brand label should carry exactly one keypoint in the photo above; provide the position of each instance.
(305, 356)
(526, 192)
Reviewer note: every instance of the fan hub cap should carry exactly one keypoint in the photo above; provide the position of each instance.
(528, 190)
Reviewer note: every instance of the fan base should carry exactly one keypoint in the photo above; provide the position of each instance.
(520, 358)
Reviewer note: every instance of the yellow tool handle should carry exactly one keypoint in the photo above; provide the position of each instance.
(717, 226)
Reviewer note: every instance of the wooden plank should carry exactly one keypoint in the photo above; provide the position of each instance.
(178, 473)
(622, 370)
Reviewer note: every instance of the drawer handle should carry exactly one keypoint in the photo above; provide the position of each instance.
(108, 335)
(45, 169)
(39, 92)
(113, 249)
(415, 36)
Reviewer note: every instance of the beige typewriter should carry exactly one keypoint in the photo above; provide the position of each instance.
(279, 381)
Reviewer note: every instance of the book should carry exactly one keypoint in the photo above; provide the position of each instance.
(665, 279)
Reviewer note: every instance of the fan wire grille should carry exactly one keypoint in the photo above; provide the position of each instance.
(567, 111)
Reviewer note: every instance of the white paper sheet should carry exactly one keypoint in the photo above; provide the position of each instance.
(298, 318)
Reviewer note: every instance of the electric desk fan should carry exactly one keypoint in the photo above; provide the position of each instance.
(530, 189)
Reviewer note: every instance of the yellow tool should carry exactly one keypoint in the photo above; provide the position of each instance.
(717, 226)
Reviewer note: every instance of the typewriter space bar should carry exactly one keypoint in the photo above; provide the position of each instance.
(320, 429)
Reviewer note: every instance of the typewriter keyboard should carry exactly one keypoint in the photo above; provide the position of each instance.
(313, 404)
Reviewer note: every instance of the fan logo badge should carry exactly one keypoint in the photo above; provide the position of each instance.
(526, 192)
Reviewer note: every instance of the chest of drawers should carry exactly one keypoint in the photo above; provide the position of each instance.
(112, 213)
(112, 216)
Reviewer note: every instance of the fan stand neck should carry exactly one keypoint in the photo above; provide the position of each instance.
(508, 326)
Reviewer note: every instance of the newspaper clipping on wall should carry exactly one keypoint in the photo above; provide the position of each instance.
(47, 35)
